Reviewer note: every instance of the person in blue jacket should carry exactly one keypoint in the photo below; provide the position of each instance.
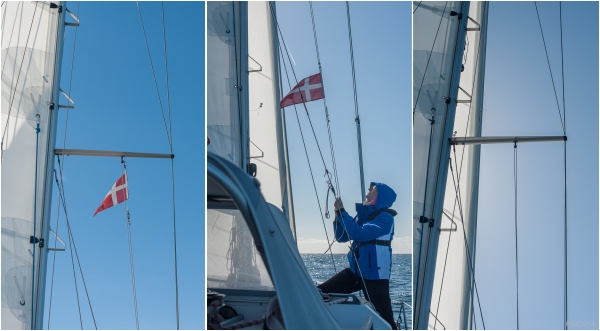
(370, 256)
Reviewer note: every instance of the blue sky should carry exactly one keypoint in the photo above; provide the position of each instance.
(381, 34)
(519, 100)
(116, 108)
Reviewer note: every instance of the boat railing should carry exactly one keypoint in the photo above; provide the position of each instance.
(402, 315)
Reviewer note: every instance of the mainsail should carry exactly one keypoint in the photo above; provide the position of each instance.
(31, 52)
(268, 147)
(439, 31)
(225, 81)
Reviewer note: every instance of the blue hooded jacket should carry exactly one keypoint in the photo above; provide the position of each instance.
(374, 261)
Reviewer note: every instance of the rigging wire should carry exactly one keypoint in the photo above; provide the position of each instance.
(172, 163)
(73, 247)
(417, 7)
(309, 165)
(428, 61)
(63, 157)
(516, 233)
(331, 149)
(549, 68)
(303, 103)
(154, 75)
(565, 159)
(470, 261)
(357, 119)
(12, 99)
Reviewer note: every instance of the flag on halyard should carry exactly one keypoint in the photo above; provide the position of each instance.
(117, 194)
(309, 89)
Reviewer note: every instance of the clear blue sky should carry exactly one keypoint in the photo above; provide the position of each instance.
(116, 108)
(381, 34)
(519, 100)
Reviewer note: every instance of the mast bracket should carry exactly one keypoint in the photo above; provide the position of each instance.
(424, 219)
(453, 13)
(251, 169)
(35, 240)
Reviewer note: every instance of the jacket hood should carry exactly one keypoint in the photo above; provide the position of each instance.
(385, 196)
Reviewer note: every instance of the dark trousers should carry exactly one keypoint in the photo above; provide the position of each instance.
(378, 291)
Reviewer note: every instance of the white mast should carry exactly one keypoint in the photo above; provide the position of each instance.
(436, 81)
(454, 284)
(32, 43)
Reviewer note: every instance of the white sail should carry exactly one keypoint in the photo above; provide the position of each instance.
(438, 36)
(30, 61)
(267, 136)
(453, 289)
(224, 85)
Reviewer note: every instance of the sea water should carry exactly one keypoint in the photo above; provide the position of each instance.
(321, 268)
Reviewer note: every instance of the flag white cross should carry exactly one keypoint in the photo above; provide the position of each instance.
(306, 88)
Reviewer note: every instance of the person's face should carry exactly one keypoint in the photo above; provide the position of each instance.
(372, 193)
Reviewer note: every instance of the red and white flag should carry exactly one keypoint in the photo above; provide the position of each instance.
(117, 194)
(309, 89)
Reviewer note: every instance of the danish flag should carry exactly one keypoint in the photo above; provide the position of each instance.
(117, 194)
(309, 89)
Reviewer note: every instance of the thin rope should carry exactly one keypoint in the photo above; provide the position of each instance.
(129, 240)
(549, 68)
(309, 165)
(565, 161)
(327, 120)
(516, 233)
(16, 86)
(303, 101)
(428, 60)
(331, 145)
